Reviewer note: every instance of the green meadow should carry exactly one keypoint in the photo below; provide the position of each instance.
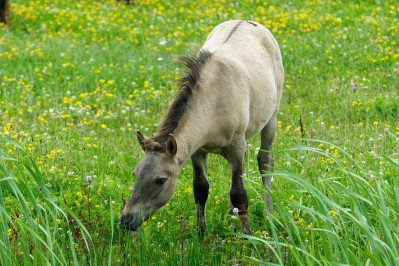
(79, 78)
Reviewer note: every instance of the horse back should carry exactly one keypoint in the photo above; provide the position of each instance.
(245, 75)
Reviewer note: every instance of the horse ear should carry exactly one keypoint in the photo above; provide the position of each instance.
(171, 146)
(141, 139)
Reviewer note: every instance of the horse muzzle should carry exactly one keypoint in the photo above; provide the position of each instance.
(130, 222)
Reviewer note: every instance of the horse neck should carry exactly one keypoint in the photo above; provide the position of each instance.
(191, 133)
(190, 136)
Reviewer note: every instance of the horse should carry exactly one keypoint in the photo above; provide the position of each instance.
(4, 6)
(230, 93)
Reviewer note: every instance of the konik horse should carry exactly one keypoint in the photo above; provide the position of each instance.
(230, 93)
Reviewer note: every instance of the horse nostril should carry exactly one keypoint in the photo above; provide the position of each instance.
(124, 223)
(127, 219)
(123, 219)
(130, 222)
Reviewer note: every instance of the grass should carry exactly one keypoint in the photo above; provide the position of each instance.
(79, 78)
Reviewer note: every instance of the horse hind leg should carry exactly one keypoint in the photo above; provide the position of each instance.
(265, 159)
(201, 187)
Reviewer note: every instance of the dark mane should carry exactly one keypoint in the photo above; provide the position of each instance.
(187, 85)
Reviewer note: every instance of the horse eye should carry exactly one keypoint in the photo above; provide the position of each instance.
(161, 180)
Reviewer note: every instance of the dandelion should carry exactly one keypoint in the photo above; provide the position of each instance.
(333, 213)
(235, 210)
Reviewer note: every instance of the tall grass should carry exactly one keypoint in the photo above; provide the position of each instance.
(353, 216)
(29, 230)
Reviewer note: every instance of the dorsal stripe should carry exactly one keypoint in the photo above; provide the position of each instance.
(233, 30)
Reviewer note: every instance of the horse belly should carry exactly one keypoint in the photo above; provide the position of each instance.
(263, 104)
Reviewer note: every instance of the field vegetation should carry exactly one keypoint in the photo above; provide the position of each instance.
(79, 78)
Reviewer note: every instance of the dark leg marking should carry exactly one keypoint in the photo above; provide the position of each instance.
(4, 6)
(265, 159)
(238, 195)
(201, 187)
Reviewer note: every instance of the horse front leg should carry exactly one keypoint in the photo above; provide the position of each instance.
(238, 195)
(201, 187)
